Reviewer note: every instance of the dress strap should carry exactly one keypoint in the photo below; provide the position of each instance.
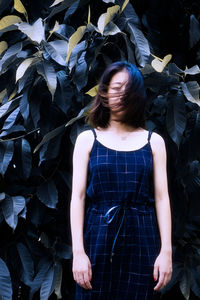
(149, 136)
(94, 132)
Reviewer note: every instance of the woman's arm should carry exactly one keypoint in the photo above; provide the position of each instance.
(81, 265)
(163, 263)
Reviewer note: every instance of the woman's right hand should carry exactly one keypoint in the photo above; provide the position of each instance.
(82, 270)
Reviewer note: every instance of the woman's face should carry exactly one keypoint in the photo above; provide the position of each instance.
(115, 91)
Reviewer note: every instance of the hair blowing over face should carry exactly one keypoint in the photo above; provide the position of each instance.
(133, 98)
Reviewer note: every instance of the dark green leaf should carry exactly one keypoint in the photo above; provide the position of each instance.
(194, 31)
(54, 54)
(26, 158)
(6, 154)
(60, 47)
(65, 4)
(8, 107)
(176, 116)
(48, 72)
(11, 207)
(142, 51)
(5, 282)
(24, 105)
(9, 122)
(27, 263)
(48, 194)
(46, 287)
(10, 53)
(42, 267)
(80, 77)
(71, 10)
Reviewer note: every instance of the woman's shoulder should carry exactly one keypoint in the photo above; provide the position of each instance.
(157, 142)
(85, 140)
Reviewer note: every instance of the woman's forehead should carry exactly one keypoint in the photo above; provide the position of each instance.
(120, 78)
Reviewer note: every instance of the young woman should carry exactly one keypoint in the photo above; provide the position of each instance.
(120, 211)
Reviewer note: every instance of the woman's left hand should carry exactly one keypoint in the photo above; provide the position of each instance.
(162, 270)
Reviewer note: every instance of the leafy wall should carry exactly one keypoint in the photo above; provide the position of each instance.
(51, 57)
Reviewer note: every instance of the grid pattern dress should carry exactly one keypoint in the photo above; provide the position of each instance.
(121, 235)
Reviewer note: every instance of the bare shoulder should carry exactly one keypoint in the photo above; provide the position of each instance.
(157, 143)
(85, 140)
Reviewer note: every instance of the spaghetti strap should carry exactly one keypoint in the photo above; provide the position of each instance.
(149, 136)
(94, 132)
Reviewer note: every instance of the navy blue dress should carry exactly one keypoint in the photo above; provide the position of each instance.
(121, 235)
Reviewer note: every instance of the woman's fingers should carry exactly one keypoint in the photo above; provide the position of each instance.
(164, 278)
(155, 273)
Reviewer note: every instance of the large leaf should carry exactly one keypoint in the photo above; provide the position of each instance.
(10, 53)
(56, 2)
(71, 10)
(55, 55)
(3, 46)
(11, 207)
(47, 283)
(173, 69)
(80, 76)
(5, 282)
(64, 93)
(9, 122)
(9, 20)
(111, 29)
(24, 105)
(42, 267)
(26, 158)
(8, 107)
(105, 18)
(191, 91)
(6, 154)
(58, 280)
(35, 32)
(176, 116)
(159, 64)
(23, 67)
(74, 40)
(76, 52)
(142, 51)
(48, 194)
(194, 31)
(47, 70)
(20, 8)
(185, 285)
(60, 47)
(64, 4)
(27, 263)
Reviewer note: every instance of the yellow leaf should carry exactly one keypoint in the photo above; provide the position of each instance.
(23, 67)
(9, 20)
(93, 91)
(124, 5)
(56, 2)
(89, 15)
(105, 18)
(74, 39)
(3, 46)
(2, 95)
(55, 28)
(13, 94)
(20, 8)
(159, 64)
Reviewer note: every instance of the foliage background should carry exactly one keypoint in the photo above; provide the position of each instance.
(52, 54)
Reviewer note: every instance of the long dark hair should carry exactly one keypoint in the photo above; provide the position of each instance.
(133, 97)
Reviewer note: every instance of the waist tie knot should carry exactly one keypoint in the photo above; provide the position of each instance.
(117, 210)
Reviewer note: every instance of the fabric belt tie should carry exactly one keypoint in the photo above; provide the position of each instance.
(108, 219)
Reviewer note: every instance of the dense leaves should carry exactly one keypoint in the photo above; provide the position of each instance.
(52, 54)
